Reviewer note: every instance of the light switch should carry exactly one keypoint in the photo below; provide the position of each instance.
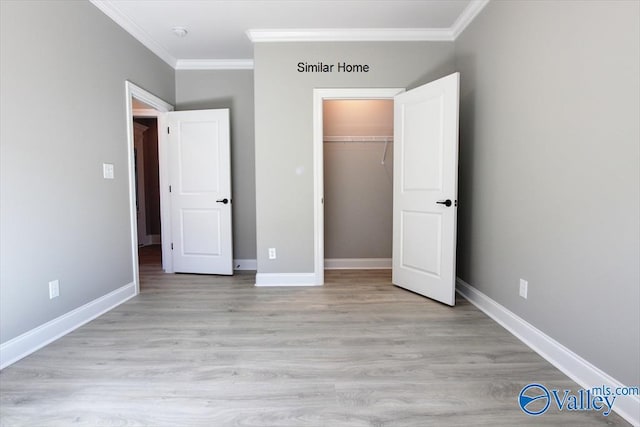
(107, 170)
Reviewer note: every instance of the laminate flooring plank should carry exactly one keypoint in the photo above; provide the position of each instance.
(195, 350)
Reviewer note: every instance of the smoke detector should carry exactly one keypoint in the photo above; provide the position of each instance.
(180, 31)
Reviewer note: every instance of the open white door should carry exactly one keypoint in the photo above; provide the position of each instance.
(425, 181)
(200, 185)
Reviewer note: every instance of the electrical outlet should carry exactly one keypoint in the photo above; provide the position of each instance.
(524, 288)
(107, 170)
(54, 289)
(272, 253)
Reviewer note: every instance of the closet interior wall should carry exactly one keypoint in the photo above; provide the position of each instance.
(358, 179)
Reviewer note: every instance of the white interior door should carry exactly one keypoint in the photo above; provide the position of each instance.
(200, 197)
(425, 189)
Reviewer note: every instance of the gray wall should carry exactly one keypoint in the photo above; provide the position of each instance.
(284, 129)
(549, 172)
(231, 89)
(63, 67)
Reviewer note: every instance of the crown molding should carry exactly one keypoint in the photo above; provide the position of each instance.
(468, 15)
(214, 64)
(349, 35)
(370, 34)
(111, 10)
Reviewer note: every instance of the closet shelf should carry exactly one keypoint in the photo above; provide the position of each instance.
(358, 138)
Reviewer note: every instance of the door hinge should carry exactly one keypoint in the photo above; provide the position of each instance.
(168, 131)
(171, 246)
(169, 189)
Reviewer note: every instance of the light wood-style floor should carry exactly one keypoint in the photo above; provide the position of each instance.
(196, 350)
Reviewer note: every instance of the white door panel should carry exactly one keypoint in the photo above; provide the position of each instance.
(417, 254)
(200, 232)
(199, 150)
(425, 173)
(200, 176)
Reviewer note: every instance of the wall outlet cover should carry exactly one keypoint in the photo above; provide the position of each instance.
(108, 170)
(54, 289)
(524, 288)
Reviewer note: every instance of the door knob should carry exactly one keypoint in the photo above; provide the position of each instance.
(225, 201)
(447, 202)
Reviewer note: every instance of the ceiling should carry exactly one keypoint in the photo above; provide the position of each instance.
(221, 33)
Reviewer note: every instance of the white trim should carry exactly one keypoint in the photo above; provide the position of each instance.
(370, 34)
(146, 112)
(245, 264)
(147, 97)
(571, 364)
(151, 239)
(110, 9)
(349, 35)
(286, 279)
(357, 263)
(133, 91)
(319, 95)
(33, 340)
(214, 64)
(468, 15)
(318, 185)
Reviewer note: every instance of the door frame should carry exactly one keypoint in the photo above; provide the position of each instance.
(319, 95)
(161, 107)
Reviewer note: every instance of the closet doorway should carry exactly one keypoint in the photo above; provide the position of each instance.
(358, 183)
(424, 184)
(319, 97)
(147, 175)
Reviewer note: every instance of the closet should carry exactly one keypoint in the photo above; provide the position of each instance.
(358, 183)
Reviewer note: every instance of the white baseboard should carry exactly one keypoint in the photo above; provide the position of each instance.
(571, 364)
(25, 344)
(245, 264)
(287, 279)
(150, 239)
(357, 263)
